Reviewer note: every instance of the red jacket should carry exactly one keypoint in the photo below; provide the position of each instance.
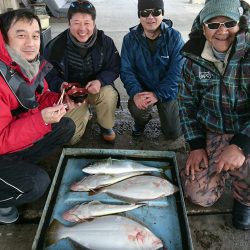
(21, 131)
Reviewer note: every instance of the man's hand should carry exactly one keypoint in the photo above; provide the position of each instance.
(231, 158)
(63, 85)
(93, 87)
(197, 160)
(53, 114)
(145, 99)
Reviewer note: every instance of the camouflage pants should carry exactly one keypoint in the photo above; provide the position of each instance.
(208, 186)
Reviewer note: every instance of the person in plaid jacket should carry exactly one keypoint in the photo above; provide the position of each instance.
(214, 101)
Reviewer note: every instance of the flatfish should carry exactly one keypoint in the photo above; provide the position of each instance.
(106, 233)
(93, 209)
(140, 188)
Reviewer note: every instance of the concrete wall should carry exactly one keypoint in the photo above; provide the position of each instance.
(8, 4)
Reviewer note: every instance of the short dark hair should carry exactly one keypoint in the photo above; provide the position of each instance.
(10, 17)
(84, 7)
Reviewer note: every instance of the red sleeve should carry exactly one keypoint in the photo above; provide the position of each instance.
(19, 132)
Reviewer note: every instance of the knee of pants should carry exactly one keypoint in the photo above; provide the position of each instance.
(197, 193)
(141, 117)
(107, 95)
(67, 128)
(173, 133)
(41, 182)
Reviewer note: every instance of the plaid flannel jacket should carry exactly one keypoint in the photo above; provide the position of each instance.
(213, 102)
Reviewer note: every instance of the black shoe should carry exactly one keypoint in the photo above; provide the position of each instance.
(8, 215)
(137, 131)
(108, 135)
(241, 216)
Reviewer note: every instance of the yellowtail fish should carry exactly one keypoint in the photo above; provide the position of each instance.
(106, 233)
(96, 181)
(140, 188)
(113, 166)
(93, 209)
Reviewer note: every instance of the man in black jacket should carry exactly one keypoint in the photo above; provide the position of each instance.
(85, 55)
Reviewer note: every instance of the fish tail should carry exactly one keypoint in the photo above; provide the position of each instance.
(51, 236)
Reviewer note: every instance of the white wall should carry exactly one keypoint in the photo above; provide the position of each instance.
(8, 4)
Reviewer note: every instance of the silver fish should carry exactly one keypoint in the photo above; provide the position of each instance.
(93, 209)
(105, 233)
(96, 181)
(113, 166)
(140, 188)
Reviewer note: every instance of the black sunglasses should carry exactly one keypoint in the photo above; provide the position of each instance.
(154, 12)
(215, 26)
(81, 5)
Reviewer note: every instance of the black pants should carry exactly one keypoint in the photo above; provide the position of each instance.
(21, 180)
(168, 114)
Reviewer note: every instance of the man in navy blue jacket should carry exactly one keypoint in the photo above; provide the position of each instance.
(85, 55)
(150, 69)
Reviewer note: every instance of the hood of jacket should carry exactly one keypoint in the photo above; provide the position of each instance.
(194, 47)
(5, 57)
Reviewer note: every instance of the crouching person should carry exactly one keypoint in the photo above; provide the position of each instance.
(214, 108)
(31, 124)
(85, 55)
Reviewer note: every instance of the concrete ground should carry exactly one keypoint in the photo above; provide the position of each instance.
(211, 228)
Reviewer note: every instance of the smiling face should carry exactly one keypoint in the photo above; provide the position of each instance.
(81, 26)
(151, 23)
(222, 38)
(24, 38)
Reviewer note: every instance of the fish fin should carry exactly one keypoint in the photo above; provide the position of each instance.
(109, 160)
(51, 236)
(166, 168)
(176, 189)
(91, 192)
(142, 203)
(162, 175)
(95, 191)
(87, 219)
(94, 202)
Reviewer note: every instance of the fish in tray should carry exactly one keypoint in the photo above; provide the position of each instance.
(106, 233)
(95, 181)
(140, 188)
(93, 209)
(113, 166)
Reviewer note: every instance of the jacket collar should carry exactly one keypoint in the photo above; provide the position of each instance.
(194, 47)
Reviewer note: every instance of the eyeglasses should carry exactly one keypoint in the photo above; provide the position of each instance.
(83, 5)
(215, 26)
(154, 12)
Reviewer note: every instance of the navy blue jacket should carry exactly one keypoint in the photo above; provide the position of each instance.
(105, 57)
(158, 73)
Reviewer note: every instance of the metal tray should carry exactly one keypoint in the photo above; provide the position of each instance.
(167, 218)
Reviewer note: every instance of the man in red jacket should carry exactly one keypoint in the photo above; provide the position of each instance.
(31, 124)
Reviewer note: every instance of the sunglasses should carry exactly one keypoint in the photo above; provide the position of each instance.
(153, 12)
(215, 26)
(83, 5)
